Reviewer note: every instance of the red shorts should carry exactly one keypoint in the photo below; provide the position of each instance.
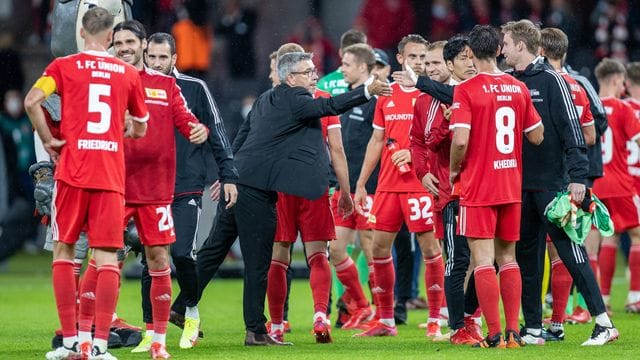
(354, 221)
(312, 218)
(438, 224)
(154, 223)
(624, 211)
(490, 222)
(95, 211)
(391, 209)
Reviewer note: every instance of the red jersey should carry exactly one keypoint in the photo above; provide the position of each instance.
(95, 90)
(394, 115)
(580, 100)
(623, 127)
(431, 145)
(327, 122)
(151, 160)
(497, 109)
(634, 149)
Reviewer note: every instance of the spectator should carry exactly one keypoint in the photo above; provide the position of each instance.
(478, 13)
(535, 11)
(238, 25)
(444, 20)
(507, 11)
(10, 65)
(193, 40)
(310, 35)
(385, 22)
(611, 33)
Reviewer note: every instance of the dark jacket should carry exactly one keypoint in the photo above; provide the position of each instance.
(594, 152)
(191, 168)
(562, 156)
(280, 145)
(438, 90)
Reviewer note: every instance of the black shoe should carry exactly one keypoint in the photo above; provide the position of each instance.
(496, 341)
(253, 339)
(550, 335)
(400, 314)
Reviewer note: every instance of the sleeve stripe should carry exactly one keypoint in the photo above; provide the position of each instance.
(377, 127)
(592, 122)
(532, 127)
(218, 123)
(459, 125)
(141, 119)
(570, 108)
(334, 126)
(431, 114)
(594, 99)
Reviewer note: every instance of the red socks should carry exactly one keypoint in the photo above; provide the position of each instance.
(372, 283)
(348, 276)
(320, 280)
(88, 297)
(560, 289)
(107, 280)
(434, 283)
(488, 293)
(277, 290)
(385, 278)
(634, 267)
(607, 260)
(160, 299)
(511, 291)
(64, 290)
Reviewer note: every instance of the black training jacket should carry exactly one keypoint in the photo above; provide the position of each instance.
(562, 156)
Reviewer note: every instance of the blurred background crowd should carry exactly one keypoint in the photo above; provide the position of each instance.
(227, 43)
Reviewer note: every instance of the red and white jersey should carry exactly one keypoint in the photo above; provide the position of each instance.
(151, 160)
(95, 90)
(623, 127)
(634, 150)
(327, 122)
(497, 109)
(394, 115)
(580, 100)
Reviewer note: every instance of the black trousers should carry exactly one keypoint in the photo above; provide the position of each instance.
(458, 253)
(253, 219)
(186, 218)
(530, 249)
(404, 266)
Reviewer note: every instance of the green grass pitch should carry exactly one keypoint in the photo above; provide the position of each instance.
(28, 319)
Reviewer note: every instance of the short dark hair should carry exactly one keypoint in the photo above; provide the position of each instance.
(161, 38)
(363, 53)
(454, 46)
(608, 67)
(132, 25)
(411, 38)
(484, 41)
(526, 31)
(97, 20)
(352, 37)
(554, 42)
(633, 73)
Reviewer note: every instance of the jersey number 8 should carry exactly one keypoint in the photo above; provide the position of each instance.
(504, 130)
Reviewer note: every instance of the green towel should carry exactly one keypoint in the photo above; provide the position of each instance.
(576, 222)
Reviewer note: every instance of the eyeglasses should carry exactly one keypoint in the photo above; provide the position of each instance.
(307, 73)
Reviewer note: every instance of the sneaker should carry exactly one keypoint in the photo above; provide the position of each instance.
(379, 329)
(120, 323)
(322, 332)
(159, 351)
(551, 335)
(85, 350)
(361, 315)
(433, 329)
(472, 328)
(513, 340)
(462, 337)
(633, 308)
(96, 354)
(579, 316)
(277, 334)
(530, 338)
(178, 319)
(287, 327)
(144, 345)
(63, 353)
(496, 341)
(189, 336)
(601, 335)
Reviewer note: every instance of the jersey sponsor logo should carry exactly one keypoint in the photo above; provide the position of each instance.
(390, 104)
(95, 144)
(401, 117)
(504, 164)
(156, 93)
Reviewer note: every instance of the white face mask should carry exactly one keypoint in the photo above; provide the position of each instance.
(13, 106)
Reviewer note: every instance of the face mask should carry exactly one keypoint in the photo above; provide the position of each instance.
(13, 107)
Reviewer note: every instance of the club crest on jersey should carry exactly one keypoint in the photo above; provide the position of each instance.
(156, 93)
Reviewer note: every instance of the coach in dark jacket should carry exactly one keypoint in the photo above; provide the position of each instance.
(278, 148)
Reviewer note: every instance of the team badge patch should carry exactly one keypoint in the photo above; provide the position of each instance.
(156, 93)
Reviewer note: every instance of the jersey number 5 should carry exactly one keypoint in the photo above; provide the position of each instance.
(504, 129)
(101, 107)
